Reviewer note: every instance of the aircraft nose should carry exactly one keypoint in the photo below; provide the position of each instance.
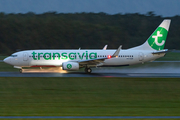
(7, 60)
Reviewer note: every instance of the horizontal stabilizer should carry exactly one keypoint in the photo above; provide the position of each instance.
(160, 51)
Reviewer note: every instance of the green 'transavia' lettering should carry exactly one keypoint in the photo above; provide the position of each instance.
(34, 57)
(72, 56)
(47, 56)
(81, 56)
(54, 56)
(64, 55)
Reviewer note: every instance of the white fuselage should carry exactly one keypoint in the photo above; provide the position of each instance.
(150, 50)
(53, 58)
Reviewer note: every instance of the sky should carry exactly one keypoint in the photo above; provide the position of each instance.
(165, 8)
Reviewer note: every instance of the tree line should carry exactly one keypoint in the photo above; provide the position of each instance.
(53, 30)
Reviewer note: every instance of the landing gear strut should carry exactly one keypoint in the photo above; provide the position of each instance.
(88, 70)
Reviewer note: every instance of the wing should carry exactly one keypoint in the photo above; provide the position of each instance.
(99, 61)
(92, 61)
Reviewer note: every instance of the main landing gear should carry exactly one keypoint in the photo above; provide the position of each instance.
(88, 70)
(20, 70)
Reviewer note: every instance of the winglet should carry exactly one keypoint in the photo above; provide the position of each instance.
(105, 47)
(117, 51)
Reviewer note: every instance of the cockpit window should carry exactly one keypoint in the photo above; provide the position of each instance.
(13, 55)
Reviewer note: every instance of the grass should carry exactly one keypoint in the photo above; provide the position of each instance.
(89, 119)
(3, 57)
(171, 56)
(6, 67)
(90, 96)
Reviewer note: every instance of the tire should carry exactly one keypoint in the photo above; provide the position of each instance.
(20, 70)
(88, 70)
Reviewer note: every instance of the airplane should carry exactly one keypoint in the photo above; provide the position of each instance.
(152, 49)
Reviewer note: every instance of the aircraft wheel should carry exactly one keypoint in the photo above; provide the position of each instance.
(88, 70)
(20, 70)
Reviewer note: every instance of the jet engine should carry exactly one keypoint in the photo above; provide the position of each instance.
(70, 66)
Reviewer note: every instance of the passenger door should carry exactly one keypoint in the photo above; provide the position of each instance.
(25, 56)
(141, 56)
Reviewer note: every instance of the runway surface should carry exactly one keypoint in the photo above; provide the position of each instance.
(151, 70)
(82, 74)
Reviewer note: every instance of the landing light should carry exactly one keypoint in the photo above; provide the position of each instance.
(109, 56)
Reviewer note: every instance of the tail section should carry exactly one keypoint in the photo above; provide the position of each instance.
(158, 38)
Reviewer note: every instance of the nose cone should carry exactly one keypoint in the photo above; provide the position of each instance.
(7, 60)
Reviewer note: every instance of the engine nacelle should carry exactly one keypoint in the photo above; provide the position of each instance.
(70, 66)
